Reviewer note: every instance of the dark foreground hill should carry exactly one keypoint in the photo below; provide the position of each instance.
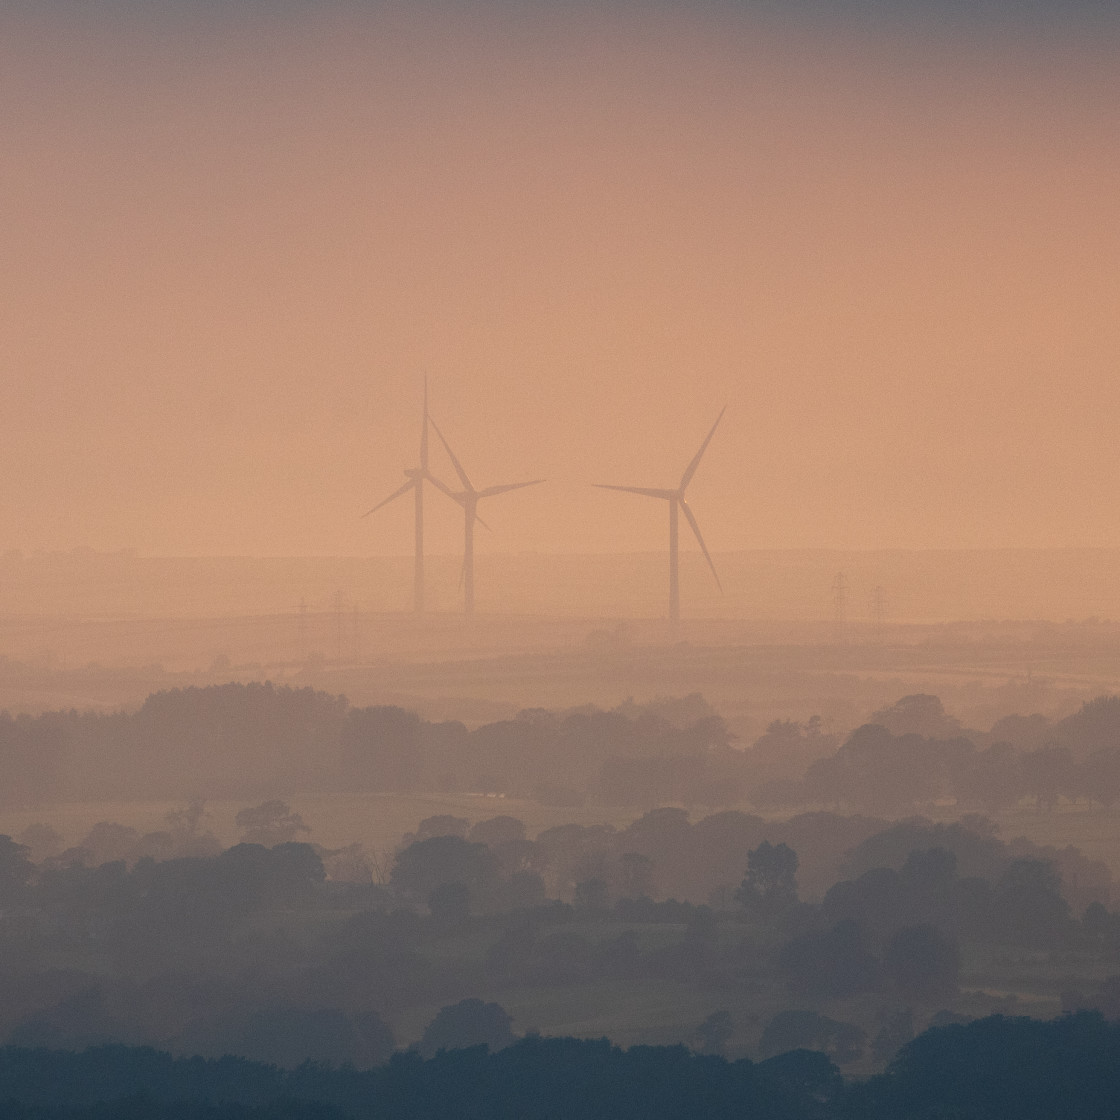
(534, 1079)
(991, 1069)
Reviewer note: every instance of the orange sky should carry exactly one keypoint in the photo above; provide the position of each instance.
(230, 249)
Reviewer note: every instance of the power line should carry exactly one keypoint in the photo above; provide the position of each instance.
(840, 600)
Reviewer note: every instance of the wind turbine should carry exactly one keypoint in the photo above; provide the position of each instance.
(676, 501)
(416, 477)
(469, 498)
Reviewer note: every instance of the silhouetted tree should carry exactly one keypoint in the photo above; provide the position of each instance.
(428, 864)
(770, 885)
(383, 748)
(290, 1036)
(470, 1022)
(715, 1032)
(592, 895)
(830, 964)
(923, 964)
(497, 832)
(270, 823)
(896, 1031)
(450, 907)
(1047, 774)
(1028, 907)
(796, 1029)
(920, 714)
(16, 870)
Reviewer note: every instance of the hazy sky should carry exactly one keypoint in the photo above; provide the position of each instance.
(233, 237)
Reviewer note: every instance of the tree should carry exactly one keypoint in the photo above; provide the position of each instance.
(443, 824)
(428, 864)
(796, 1029)
(41, 841)
(1029, 908)
(831, 964)
(808, 1074)
(521, 891)
(991, 779)
(270, 823)
(505, 837)
(919, 714)
(1095, 727)
(375, 1040)
(635, 875)
(715, 1032)
(286, 875)
(15, 870)
(996, 1067)
(923, 964)
(498, 832)
(290, 1036)
(787, 749)
(1048, 773)
(450, 907)
(897, 1030)
(79, 1020)
(770, 885)
(591, 895)
(107, 842)
(384, 748)
(467, 1023)
(930, 870)
(1100, 777)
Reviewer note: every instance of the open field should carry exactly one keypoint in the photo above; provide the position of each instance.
(753, 672)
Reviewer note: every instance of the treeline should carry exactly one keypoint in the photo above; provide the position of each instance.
(664, 854)
(913, 755)
(256, 951)
(994, 1067)
(260, 740)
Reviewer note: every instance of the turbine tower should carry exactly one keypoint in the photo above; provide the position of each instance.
(416, 477)
(676, 500)
(469, 498)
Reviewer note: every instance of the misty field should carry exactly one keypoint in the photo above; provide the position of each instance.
(378, 821)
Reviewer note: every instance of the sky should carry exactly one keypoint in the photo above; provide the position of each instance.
(236, 237)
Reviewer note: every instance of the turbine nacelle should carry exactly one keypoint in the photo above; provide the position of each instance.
(469, 495)
(677, 502)
(468, 498)
(416, 476)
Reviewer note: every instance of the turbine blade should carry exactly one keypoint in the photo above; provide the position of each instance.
(392, 497)
(451, 454)
(442, 486)
(492, 491)
(645, 490)
(700, 540)
(690, 470)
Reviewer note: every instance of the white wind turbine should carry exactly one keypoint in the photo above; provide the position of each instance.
(676, 500)
(469, 498)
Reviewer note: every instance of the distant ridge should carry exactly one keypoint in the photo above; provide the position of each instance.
(929, 585)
